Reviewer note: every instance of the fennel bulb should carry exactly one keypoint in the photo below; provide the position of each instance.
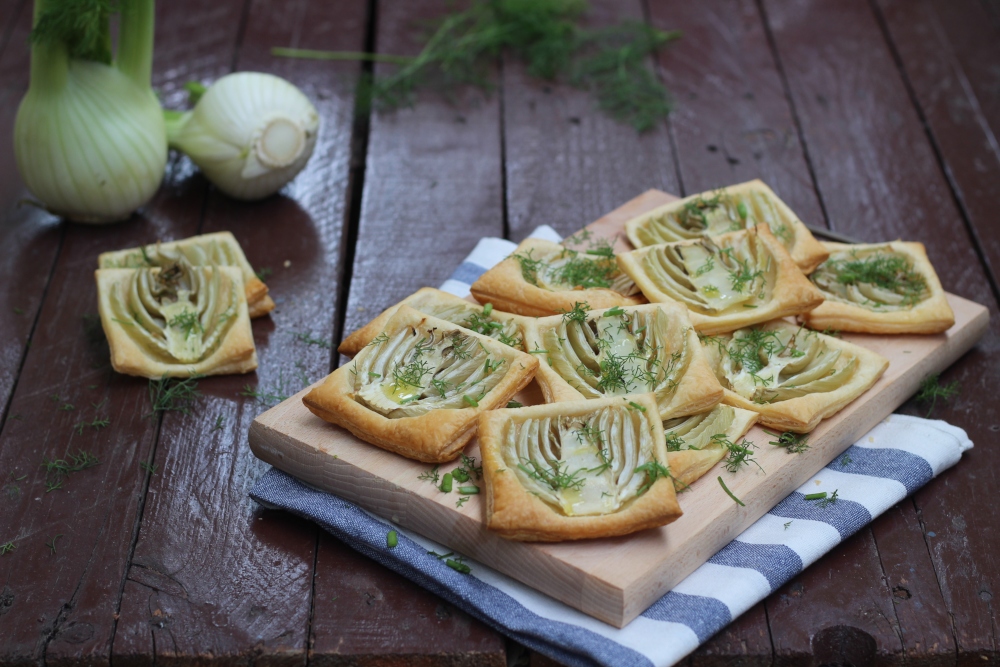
(250, 133)
(89, 138)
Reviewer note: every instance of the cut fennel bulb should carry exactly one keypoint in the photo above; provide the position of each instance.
(89, 138)
(250, 133)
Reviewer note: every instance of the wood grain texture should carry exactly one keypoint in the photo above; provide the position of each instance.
(181, 601)
(587, 575)
(432, 189)
(566, 162)
(873, 160)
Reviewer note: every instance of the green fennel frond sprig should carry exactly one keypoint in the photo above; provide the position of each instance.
(931, 390)
(612, 62)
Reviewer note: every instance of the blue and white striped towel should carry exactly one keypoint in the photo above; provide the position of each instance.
(892, 461)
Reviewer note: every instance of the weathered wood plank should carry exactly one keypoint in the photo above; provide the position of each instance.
(432, 188)
(30, 238)
(63, 604)
(199, 526)
(880, 180)
(566, 162)
(948, 55)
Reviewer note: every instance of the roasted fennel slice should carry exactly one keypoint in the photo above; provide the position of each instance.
(880, 288)
(419, 386)
(726, 282)
(485, 319)
(576, 470)
(697, 442)
(544, 278)
(217, 249)
(176, 321)
(729, 209)
(623, 351)
(792, 376)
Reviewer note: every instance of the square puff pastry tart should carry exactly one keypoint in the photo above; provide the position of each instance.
(178, 321)
(792, 376)
(879, 288)
(727, 281)
(482, 319)
(219, 248)
(624, 351)
(544, 278)
(693, 445)
(576, 470)
(418, 388)
(728, 209)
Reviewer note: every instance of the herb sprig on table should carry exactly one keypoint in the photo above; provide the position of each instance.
(546, 35)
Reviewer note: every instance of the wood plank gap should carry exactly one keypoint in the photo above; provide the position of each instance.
(240, 33)
(977, 243)
(930, 555)
(360, 133)
(647, 15)
(31, 332)
(898, 628)
(780, 67)
(503, 150)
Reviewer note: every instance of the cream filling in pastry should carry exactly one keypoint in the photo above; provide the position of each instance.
(713, 279)
(765, 366)
(409, 373)
(584, 465)
(619, 352)
(178, 313)
(568, 269)
(874, 277)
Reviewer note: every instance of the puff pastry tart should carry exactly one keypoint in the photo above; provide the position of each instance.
(884, 288)
(418, 388)
(792, 376)
(727, 282)
(216, 249)
(544, 278)
(729, 209)
(697, 442)
(576, 470)
(485, 320)
(623, 351)
(176, 321)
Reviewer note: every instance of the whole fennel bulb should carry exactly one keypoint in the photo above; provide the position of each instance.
(250, 133)
(89, 138)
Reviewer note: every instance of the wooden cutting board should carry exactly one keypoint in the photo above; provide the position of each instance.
(616, 579)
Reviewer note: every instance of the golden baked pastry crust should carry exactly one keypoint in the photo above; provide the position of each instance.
(791, 292)
(219, 248)
(131, 352)
(928, 316)
(805, 250)
(517, 514)
(803, 413)
(429, 301)
(506, 288)
(436, 436)
(696, 389)
(688, 465)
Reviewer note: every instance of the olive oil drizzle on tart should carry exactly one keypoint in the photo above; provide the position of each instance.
(713, 279)
(176, 313)
(413, 372)
(584, 465)
(877, 278)
(711, 215)
(768, 365)
(618, 352)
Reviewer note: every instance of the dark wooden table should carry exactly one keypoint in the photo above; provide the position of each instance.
(878, 119)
